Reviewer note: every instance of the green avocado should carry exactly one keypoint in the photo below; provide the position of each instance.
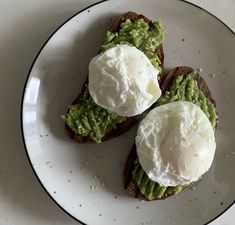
(184, 88)
(88, 119)
(150, 189)
(139, 34)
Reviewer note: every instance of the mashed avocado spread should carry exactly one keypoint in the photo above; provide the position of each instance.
(88, 119)
(186, 89)
(140, 35)
(183, 88)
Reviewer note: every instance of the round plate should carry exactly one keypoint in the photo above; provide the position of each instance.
(86, 179)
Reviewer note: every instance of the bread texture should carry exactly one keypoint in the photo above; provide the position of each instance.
(127, 124)
(129, 182)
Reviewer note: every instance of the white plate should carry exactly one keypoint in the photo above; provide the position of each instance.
(68, 170)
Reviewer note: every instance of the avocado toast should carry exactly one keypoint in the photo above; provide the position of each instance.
(181, 83)
(85, 121)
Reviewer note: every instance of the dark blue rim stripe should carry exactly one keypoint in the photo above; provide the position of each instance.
(24, 89)
(22, 101)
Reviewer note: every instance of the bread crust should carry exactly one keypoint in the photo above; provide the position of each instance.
(129, 182)
(126, 125)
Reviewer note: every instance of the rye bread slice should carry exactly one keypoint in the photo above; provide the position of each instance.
(126, 125)
(129, 182)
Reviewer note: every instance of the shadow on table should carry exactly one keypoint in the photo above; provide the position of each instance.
(19, 188)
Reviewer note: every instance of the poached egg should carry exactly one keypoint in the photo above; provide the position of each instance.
(123, 80)
(175, 143)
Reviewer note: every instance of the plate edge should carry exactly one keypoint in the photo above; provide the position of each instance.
(26, 82)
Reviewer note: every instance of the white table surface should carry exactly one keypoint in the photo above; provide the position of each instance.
(24, 26)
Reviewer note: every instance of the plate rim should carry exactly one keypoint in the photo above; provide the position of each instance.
(24, 92)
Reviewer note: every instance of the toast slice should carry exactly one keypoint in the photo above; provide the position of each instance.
(132, 164)
(128, 122)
